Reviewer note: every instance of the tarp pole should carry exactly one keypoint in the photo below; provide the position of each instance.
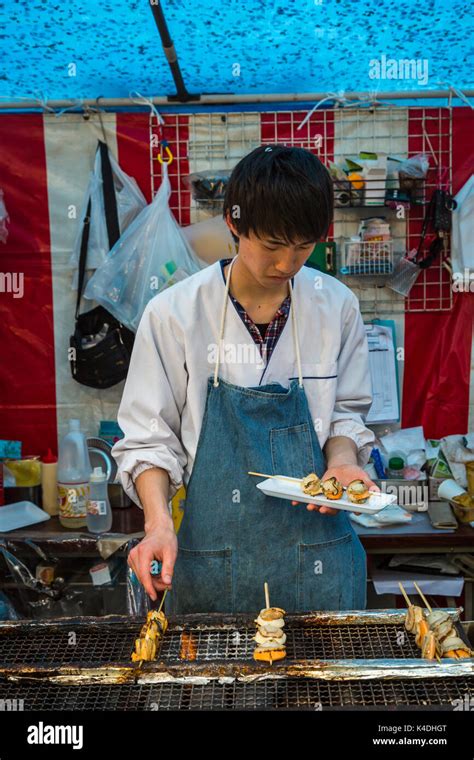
(230, 99)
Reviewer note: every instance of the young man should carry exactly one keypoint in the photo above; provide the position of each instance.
(254, 364)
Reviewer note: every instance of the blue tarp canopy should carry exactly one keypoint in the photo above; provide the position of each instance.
(89, 48)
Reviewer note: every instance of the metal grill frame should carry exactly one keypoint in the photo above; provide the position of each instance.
(285, 694)
(224, 670)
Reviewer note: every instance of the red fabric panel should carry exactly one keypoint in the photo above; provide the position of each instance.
(437, 369)
(27, 379)
(133, 140)
(438, 345)
(133, 144)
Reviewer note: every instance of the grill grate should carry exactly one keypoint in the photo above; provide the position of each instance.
(68, 646)
(318, 642)
(303, 694)
(112, 643)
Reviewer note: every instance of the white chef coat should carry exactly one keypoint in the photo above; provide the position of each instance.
(174, 354)
(462, 245)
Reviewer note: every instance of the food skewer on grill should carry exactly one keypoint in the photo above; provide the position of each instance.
(415, 622)
(270, 636)
(152, 631)
(448, 643)
(435, 633)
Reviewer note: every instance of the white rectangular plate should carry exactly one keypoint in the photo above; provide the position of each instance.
(20, 514)
(285, 489)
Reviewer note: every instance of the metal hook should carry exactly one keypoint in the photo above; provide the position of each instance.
(99, 114)
(170, 156)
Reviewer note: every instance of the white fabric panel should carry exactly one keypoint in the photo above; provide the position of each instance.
(214, 144)
(70, 145)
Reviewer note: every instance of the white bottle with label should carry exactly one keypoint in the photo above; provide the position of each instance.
(99, 513)
(74, 469)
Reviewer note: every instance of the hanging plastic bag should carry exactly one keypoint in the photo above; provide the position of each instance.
(4, 219)
(130, 201)
(151, 255)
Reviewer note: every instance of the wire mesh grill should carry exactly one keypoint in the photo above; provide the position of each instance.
(318, 642)
(109, 643)
(69, 646)
(302, 694)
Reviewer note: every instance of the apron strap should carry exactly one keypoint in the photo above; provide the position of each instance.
(296, 336)
(221, 329)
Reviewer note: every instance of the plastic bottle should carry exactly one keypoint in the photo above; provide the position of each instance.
(172, 275)
(49, 483)
(99, 513)
(74, 469)
(396, 465)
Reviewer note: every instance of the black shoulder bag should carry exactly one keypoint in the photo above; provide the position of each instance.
(101, 345)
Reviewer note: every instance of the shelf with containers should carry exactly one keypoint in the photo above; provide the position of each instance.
(215, 141)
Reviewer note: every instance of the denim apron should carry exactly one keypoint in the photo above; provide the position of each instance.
(232, 537)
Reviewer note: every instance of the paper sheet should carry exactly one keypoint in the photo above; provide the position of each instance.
(386, 582)
(383, 370)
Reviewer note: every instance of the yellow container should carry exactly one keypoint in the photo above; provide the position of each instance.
(26, 471)
(470, 478)
(463, 507)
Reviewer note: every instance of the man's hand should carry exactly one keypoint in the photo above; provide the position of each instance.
(159, 544)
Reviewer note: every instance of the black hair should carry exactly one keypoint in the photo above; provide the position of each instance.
(279, 192)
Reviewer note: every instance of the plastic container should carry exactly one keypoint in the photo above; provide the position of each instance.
(99, 512)
(74, 469)
(49, 483)
(396, 465)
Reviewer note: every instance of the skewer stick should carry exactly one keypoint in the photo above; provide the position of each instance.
(162, 599)
(411, 605)
(267, 605)
(425, 600)
(405, 595)
(278, 477)
(427, 605)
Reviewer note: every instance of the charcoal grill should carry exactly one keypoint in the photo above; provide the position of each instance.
(334, 660)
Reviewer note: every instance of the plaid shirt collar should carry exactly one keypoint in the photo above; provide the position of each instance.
(275, 327)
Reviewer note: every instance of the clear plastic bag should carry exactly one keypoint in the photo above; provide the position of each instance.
(142, 261)
(416, 166)
(208, 187)
(404, 276)
(130, 201)
(4, 218)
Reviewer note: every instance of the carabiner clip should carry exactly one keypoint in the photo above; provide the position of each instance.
(169, 154)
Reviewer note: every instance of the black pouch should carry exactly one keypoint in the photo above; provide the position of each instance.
(438, 216)
(101, 346)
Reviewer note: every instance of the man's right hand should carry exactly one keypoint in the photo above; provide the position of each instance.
(159, 544)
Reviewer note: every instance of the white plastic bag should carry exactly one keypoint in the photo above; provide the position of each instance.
(130, 201)
(4, 218)
(138, 266)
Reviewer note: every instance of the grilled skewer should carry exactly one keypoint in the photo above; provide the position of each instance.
(150, 634)
(270, 637)
(415, 622)
(448, 643)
